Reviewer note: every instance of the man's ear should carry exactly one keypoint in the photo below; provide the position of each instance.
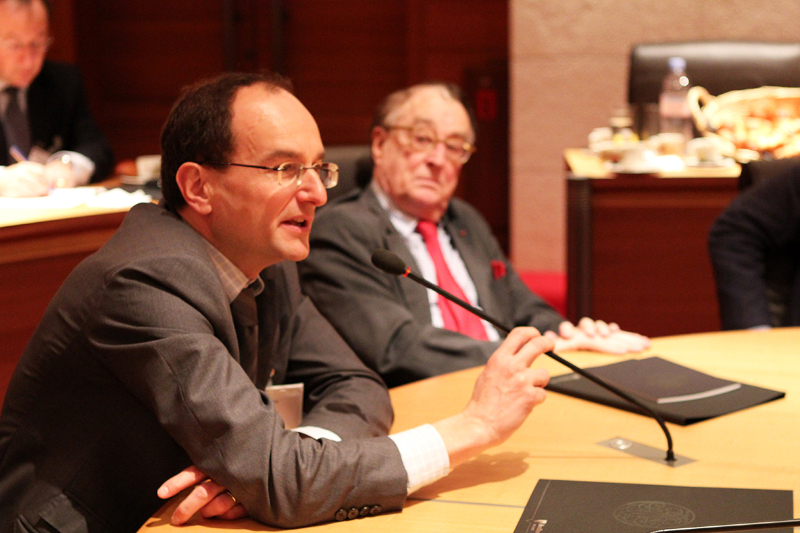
(379, 137)
(192, 179)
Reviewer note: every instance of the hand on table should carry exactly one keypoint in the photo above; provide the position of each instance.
(207, 497)
(504, 395)
(59, 174)
(597, 336)
(24, 179)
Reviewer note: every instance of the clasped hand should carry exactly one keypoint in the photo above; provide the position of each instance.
(208, 497)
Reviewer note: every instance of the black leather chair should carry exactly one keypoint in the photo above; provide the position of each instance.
(719, 66)
(355, 167)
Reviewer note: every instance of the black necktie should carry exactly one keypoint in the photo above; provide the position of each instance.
(19, 131)
(245, 320)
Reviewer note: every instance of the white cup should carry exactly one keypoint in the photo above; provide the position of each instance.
(669, 143)
(704, 149)
(638, 156)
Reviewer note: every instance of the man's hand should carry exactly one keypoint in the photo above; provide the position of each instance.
(597, 336)
(24, 179)
(504, 395)
(208, 497)
(59, 174)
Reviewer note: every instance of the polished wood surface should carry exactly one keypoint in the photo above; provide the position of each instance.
(38, 250)
(754, 448)
(637, 251)
(586, 164)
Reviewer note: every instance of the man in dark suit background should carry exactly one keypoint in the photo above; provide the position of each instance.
(421, 137)
(154, 355)
(755, 250)
(44, 110)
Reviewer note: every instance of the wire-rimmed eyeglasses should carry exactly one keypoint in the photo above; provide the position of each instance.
(422, 138)
(289, 172)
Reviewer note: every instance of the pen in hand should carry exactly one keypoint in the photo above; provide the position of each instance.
(17, 154)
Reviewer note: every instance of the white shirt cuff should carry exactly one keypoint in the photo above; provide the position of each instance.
(82, 166)
(318, 433)
(424, 455)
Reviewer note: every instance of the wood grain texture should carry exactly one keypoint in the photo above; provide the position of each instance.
(754, 448)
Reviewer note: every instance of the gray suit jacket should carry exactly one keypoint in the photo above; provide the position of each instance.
(133, 374)
(386, 319)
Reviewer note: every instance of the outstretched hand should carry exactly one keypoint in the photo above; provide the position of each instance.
(504, 395)
(598, 336)
(208, 497)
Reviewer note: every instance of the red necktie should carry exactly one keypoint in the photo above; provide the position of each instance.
(455, 317)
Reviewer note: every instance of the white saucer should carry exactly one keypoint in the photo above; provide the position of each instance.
(620, 168)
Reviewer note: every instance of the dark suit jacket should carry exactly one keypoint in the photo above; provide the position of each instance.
(755, 249)
(60, 119)
(387, 319)
(133, 375)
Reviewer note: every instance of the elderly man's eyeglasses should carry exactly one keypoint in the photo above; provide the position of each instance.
(424, 139)
(288, 173)
(38, 47)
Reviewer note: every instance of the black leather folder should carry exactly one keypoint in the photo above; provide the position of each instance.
(557, 506)
(682, 413)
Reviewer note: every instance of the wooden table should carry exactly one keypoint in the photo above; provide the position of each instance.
(754, 448)
(38, 249)
(637, 250)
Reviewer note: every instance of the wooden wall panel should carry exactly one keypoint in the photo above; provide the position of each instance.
(466, 42)
(62, 29)
(137, 55)
(344, 57)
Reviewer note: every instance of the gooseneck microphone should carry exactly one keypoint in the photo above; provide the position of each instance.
(392, 264)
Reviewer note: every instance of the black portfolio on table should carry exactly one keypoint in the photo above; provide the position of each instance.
(558, 506)
(679, 394)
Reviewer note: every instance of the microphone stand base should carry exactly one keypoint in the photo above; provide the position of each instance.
(643, 451)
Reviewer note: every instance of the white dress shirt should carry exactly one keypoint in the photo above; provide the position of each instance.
(406, 226)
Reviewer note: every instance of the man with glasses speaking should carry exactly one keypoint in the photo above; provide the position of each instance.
(421, 137)
(156, 354)
(48, 138)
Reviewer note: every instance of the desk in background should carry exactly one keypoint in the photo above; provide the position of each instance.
(755, 448)
(38, 249)
(637, 251)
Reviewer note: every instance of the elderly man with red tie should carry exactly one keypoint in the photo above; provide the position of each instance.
(421, 138)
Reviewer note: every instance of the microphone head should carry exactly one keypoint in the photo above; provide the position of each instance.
(388, 262)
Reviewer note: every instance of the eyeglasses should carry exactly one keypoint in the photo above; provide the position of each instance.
(289, 172)
(12, 46)
(424, 139)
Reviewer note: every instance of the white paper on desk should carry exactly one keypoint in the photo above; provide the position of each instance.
(57, 199)
(70, 198)
(118, 198)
